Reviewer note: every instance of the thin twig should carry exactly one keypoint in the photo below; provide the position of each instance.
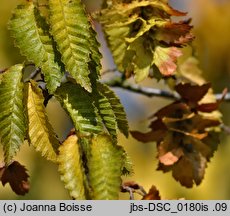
(153, 92)
(150, 92)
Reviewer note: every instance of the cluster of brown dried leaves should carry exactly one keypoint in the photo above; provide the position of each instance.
(186, 139)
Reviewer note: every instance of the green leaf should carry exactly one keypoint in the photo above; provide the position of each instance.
(41, 133)
(72, 31)
(12, 118)
(105, 168)
(71, 168)
(106, 112)
(117, 108)
(35, 42)
(80, 106)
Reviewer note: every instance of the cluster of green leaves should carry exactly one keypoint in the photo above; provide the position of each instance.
(142, 37)
(63, 46)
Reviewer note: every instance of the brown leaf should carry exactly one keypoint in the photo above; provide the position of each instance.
(15, 174)
(149, 136)
(175, 34)
(153, 194)
(174, 110)
(190, 169)
(192, 93)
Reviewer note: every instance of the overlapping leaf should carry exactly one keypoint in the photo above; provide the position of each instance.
(12, 118)
(117, 108)
(80, 106)
(142, 36)
(71, 168)
(35, 42)
(41, 134)
(75, 38)
(186, 139)
(105, 168)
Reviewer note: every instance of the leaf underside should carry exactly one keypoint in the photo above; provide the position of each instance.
(41, 134)
(12, 118)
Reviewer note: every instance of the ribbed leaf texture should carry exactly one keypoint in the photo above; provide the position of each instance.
(105, 168)
(35, 42)
(117, 108)
(75, 38)
(107, 114)
(70, 167)
(41, 134)
(80, 106)
(12, 118)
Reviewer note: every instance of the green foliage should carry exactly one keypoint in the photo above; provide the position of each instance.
(35, 42)
(12, 118)
(105, 168)
(80, 106)
(117, 108)
(40, 132)
(71, 30)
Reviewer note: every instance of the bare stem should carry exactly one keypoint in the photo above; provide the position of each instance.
(153, 92)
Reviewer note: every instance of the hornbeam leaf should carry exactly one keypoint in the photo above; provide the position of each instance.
(107, 114)
(117, 108)
(80, 106)
(35, 42)
(12, 118)
(105, 168)
(71, 168)
(73, 34)
(41, 134)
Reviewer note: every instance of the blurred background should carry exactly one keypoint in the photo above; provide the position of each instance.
(211, 20)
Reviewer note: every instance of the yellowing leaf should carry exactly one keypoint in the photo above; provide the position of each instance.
(41, 134)
(70, 167)
(165, 59)
(12, 118)
(142, 36)
(105, 168)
